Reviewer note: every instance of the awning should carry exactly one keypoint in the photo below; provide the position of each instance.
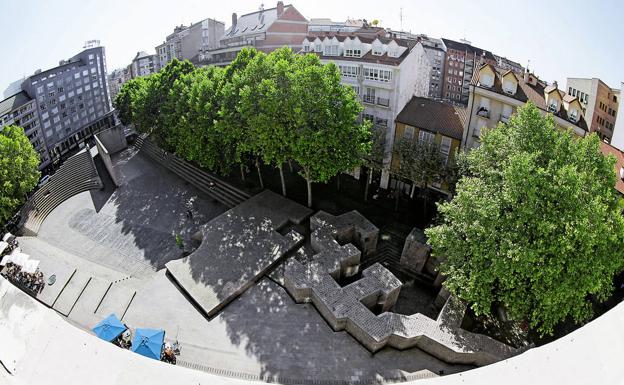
(148, 342)
(3, 246)
(109, 328)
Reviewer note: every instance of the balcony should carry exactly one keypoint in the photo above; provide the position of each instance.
(383, 102)
(370, 99)
(483, 112)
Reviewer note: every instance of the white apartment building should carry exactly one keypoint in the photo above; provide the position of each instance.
(383, 72)
(143, 64)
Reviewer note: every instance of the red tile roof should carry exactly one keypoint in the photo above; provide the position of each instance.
(434, 116)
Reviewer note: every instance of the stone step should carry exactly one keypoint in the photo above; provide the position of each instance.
(117, 300)
(71, 292)
(83, 312)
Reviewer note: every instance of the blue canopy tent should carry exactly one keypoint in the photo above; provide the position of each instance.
(109, 328)
(148, 342)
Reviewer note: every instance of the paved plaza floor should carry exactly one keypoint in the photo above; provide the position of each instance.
(122, 240)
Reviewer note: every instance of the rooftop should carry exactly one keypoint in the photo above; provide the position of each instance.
(452, 44)
(13, 102)
(434, 116)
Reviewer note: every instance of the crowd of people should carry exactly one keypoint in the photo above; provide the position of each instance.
(29, 280)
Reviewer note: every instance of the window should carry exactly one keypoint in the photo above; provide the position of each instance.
(408, 133)
(317, 48)
(353, 53)
(349, 71)
(382, 122)
(445, 147)
(377, 74)
(425, 136)
(369, 95)
(306, 48)
(377, 50)
(331, 50)
(369, 117)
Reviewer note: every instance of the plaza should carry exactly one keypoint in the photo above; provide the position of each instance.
(114, 251)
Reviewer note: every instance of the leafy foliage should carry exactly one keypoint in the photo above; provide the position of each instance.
(275, 108)
(18, 169)
(535, 224)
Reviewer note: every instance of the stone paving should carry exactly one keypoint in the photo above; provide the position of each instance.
(115, 235)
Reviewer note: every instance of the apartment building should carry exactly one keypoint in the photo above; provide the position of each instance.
(143, 64)
(21, 110)
(382, 71)
(600, 104)
(265, 30)
(507, 64)
(116, 79)
(61, 107)
(617, 140)
(460, 63)
(428, 121)
(327, 25)
(190, 42)
(496, 94)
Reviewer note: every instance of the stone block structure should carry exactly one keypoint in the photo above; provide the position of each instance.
(352, 307)
(415, 251)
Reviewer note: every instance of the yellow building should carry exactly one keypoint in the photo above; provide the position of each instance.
(496, 94)
(430, 121)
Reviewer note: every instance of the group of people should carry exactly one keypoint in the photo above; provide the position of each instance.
(169, 353)
(30, 281)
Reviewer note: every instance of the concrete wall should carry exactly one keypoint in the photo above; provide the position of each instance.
(113, 139)
(105, 156)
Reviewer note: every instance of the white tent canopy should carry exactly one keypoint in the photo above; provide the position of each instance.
(30, 266)
(3, 246)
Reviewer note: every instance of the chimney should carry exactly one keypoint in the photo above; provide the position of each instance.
(526, 76)
(234, 20)
(280, 8)
(555, 84)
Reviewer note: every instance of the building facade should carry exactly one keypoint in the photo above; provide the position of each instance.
(496, 94)
(21, 110)
(326, 25)
(380, 70)
(190, 42)
(617, 140)
(436, 55)
(61, 107)
(506, 64)
(459, 66)
(600, 104)
(143, 64)
(116, 79)
(428, 121)
(265, 30)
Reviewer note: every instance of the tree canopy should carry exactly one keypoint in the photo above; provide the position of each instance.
(272, 108)
(534, 225)
(18, 169)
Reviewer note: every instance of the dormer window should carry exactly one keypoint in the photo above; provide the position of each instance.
(574, 115)
(377, 50)
(317, 47)
(509, 86)
(486, 79)
(553, 106)
(393, 53)
(331, 50)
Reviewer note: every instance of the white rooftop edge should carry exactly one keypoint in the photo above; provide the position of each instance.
(37, 346)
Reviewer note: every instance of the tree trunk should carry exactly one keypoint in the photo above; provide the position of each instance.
(397, 195)
(369, 180)
(281, 170)
(290, 165)
(309, 184)
(259, 174)
(242, 170)
(338, 181)
(413, 189)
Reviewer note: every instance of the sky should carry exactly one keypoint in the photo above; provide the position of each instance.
(557, 39)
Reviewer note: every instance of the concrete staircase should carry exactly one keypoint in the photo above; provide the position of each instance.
(76, 175)
(85, 299)
(209, 184)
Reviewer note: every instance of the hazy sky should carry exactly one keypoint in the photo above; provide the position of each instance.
(573, 38)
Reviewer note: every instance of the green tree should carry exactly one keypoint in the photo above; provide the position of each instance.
(329, 137)
(420, 162)
(123, 100)
(534, 226)
(18, 169)
(374, 160)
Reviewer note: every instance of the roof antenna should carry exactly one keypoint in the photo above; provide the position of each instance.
(528, 64)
